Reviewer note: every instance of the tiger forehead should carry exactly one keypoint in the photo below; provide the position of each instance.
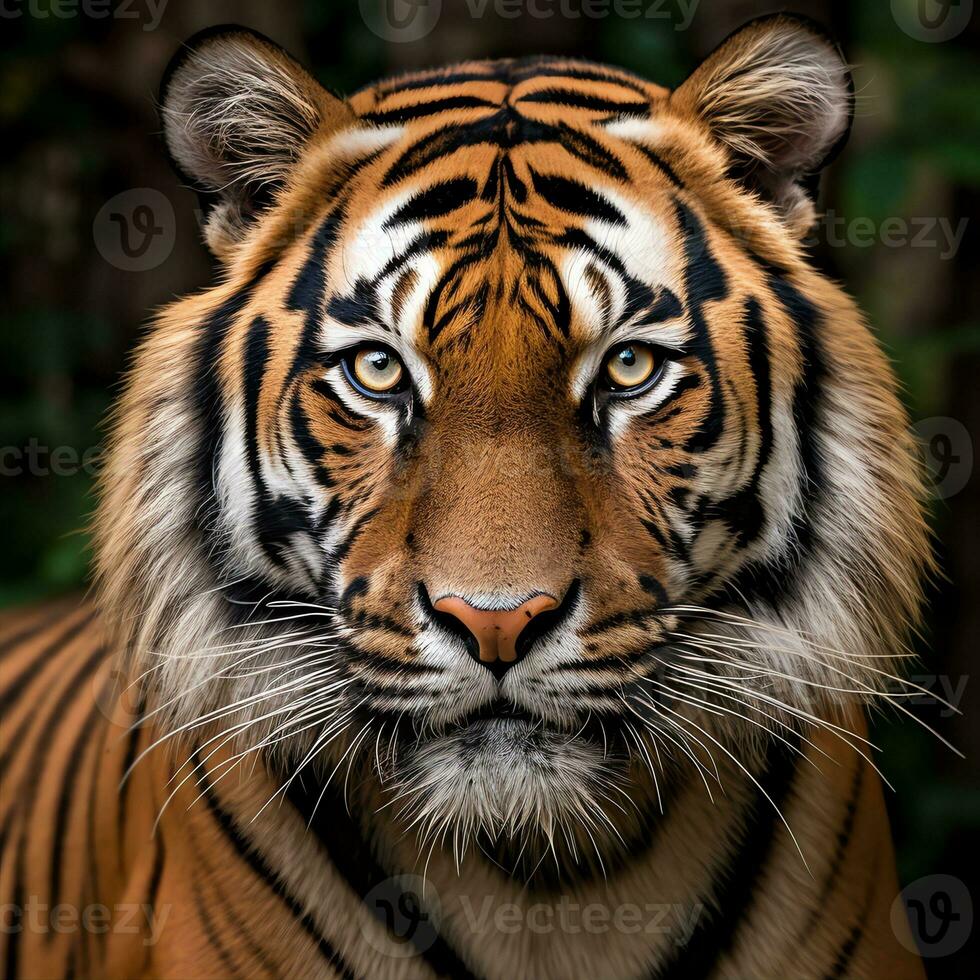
(501, 187)
(509, 254)
(581, 88)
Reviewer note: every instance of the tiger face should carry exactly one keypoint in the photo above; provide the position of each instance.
(520, 456)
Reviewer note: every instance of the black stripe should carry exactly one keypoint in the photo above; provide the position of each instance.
(243, 932)
(848, 949)
(309, 288)
(743, 511)
(658, 161)
(421, 109)
(505, 128)
(132, 744)
(44, 621)
(591, 74)
(574, 197)
(246, 850)
(66, 800)
(91, 890)
(808, 392)
(153, 891)
(353, 858)
(276, 519)
(590, 151)
(27, 792)
(214, 940)
(208, 403)
(626, 617)
(734, 882)
(16, 687)
(581, 100)
(840, 850)
(31, 717)
(435, 201)
(704, 282)
(343, 549)
(436, 77)
(780, 577)
(307, 443)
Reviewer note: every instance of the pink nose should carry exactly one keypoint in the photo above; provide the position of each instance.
(496, 630)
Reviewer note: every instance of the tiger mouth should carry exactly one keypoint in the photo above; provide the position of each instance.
(501, 717)
(497, 710)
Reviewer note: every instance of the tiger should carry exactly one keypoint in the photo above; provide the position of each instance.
(496, 563)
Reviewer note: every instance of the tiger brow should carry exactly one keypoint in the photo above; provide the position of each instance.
(664, 305)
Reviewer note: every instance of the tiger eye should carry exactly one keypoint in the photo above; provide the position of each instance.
(378, 370)
(630, 366)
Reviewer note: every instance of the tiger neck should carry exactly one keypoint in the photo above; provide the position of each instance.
(347, 881)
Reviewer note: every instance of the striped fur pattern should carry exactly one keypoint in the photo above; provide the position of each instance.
(735, 550)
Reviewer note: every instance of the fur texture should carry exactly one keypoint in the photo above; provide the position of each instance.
(736, 548)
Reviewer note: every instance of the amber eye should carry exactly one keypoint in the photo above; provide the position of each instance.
(375, 371)
(629, 368)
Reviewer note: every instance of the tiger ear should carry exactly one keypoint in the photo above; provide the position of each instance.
(237, 113)
(778, 95)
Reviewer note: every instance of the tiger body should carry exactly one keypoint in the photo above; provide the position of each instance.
(711, 889)
(667, 776)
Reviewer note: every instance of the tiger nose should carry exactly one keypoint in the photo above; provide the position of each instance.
(496, 630)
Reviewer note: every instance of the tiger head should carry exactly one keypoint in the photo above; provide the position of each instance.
(518, 449)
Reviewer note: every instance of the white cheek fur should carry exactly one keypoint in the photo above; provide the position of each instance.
(382, 414)
(622, 411)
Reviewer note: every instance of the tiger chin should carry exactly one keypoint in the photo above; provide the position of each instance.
(520, 510)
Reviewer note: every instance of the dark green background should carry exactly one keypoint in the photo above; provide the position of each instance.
(77, 101)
